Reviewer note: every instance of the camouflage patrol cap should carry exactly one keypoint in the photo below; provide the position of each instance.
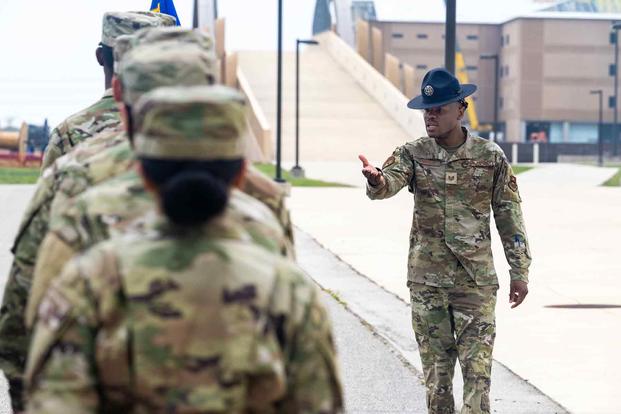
(190, 123)
(124, 44)
(167, 37)
(175, 34)
(116, 24)
(147, 67)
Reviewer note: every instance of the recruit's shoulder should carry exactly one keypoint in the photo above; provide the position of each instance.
(105, 104)
(115, 190)
(222, 250)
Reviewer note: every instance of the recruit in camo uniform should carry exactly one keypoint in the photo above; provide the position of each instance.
(13, 339)
(192, 320)
(63, 180)
(103, 114)
(109, 207)
(450, 259)
(115, 206)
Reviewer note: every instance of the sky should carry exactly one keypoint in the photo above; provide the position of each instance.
(47, 48)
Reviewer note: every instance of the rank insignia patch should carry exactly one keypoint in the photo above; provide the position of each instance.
(513, 184)
(451, 178)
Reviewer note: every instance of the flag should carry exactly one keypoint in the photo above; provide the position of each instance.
(166, 7)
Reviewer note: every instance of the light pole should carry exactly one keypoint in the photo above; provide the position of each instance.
(496, 91)
(449, 35)
(278, 177)
(600, 143)
(615, 134)
(298, 171)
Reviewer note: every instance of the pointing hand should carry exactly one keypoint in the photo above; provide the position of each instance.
(372, 174)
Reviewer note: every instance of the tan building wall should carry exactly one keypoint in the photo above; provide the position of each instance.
(548, 66)
(421, 45)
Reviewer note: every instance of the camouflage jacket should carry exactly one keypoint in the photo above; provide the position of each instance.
(194, 322)
(65, 178)
(102, 115)
(264, 189)
(453, 198)
(110, 208)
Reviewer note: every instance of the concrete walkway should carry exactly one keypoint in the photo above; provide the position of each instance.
(570, 354)
(338, 118)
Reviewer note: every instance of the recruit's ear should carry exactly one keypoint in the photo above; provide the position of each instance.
(461, 111)
(240, 179)
(117, 89)
(99, 56)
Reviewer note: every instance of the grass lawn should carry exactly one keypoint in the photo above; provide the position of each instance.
(18, 175)
(519, 169)
(614, 181)
(270, 170)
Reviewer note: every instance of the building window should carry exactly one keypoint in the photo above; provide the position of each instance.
(421, 36)
(397, 35)
(501, 72)
(472, 37)
(507, 40)
(472, 68)
(501, 102)
(502, 41)
(507, 70)
(421, 66)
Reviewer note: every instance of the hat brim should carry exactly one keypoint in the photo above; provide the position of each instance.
(419, 102)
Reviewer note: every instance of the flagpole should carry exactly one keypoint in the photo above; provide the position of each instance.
(195, 20)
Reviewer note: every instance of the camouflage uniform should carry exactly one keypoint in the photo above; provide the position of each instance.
(103, 114)
(451, 272)
(102, 120)
(170, 319)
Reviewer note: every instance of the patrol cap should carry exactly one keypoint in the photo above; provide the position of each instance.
(176, 34)
(190, 123)
(116, 24)
(169, 37)
(124, 44)
(147, 67)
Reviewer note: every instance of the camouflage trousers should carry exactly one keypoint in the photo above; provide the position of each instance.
(453, 323)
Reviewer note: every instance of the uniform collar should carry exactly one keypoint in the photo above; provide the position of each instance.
(109, 93)
(463, 153)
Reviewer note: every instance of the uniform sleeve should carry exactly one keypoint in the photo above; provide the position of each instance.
(53, 151)
(14, 336)
(60, 371)
(53, 255)
(398, 171)
(509, 220)
(314, 384)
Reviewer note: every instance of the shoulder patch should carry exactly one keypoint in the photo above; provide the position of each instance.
(513, 183)
(390, 161)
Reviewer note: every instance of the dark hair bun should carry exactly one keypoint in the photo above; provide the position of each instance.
(193, 197)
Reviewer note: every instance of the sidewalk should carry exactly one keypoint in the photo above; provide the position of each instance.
(389, 317)
(573, 225)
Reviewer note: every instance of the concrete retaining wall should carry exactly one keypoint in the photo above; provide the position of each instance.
(375, 84)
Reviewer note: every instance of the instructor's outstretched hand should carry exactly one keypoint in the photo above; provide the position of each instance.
(372, 174)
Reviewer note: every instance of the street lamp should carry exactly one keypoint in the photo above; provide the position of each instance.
(600, 143)
(298, 171)
(449, 36)
(278, 177)
(496, 91)
(614, 35)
